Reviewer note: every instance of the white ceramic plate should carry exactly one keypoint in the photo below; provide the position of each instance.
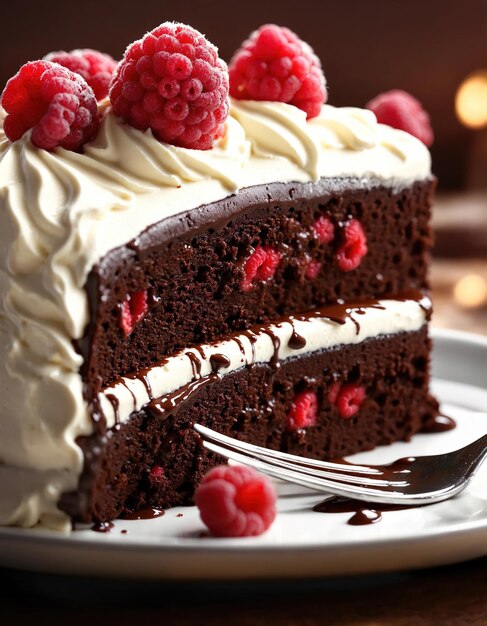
(301, 542)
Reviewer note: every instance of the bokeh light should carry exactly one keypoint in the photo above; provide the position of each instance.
(471, 291)
(471, 100)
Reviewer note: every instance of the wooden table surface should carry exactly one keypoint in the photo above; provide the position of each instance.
(448, 596)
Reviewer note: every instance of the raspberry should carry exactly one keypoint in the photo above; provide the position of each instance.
(275, 64)
(173, 82)
(261, 265)
(304, 411)
(312, 269)
(236, 501)
(334, 391)
(54, 102)
(349, 399)
(156, 473)
(401, 110)
(350, 254)
(132, 311)
(95, 67)
(324, 230)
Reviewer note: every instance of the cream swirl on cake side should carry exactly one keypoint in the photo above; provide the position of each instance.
(61, 212)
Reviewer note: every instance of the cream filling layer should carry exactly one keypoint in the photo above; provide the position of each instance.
(265, 344)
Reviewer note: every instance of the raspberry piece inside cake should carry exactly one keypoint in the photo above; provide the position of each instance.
(351, 252)
(304, 410)
(349, 399)
(133, 310)
(260, 266)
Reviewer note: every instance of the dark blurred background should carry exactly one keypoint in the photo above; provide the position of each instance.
(427, 47)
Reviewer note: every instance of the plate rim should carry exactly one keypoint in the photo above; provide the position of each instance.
(160, 545)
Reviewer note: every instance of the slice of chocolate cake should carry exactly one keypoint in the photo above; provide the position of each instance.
(263, 274)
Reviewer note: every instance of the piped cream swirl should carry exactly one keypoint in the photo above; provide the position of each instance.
(135, 159)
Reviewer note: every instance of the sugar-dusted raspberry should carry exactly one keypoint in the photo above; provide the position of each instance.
(173, 82)
(54, 102)
(323, 229)
(95, 67)
(236, 501)
(275, 64)
(132, 311)
(349, 400)
(303, 412)
(401, 110)
(312, 269)
(354, 247)
(261, 265)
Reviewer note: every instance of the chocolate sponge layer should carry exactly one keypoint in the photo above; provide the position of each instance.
(252, 404)
(192, 267)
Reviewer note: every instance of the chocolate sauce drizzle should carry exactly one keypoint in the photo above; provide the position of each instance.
(338, 313)
(343, 311)
(122, 382)
(142, 376)
(195, 361)
(252, 337)
(240, 347)
(219, 361)
(296, 341)
(114, 401)
(170, 402)
(276, 342)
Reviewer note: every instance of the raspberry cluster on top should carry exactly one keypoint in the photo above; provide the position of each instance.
(173, 82)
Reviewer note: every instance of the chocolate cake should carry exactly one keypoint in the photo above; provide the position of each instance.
(272, 286)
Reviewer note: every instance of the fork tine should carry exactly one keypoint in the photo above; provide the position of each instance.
(212, 435)
(304, 466)
(350, 479)
(295, 476)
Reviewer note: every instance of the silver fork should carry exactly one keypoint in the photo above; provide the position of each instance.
(408, 481)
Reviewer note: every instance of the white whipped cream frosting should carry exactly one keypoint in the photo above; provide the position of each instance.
(61, 211)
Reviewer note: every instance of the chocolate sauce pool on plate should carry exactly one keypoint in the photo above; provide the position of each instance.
(365, 513)
(440, 424)
(102, 527)
(148, 513)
